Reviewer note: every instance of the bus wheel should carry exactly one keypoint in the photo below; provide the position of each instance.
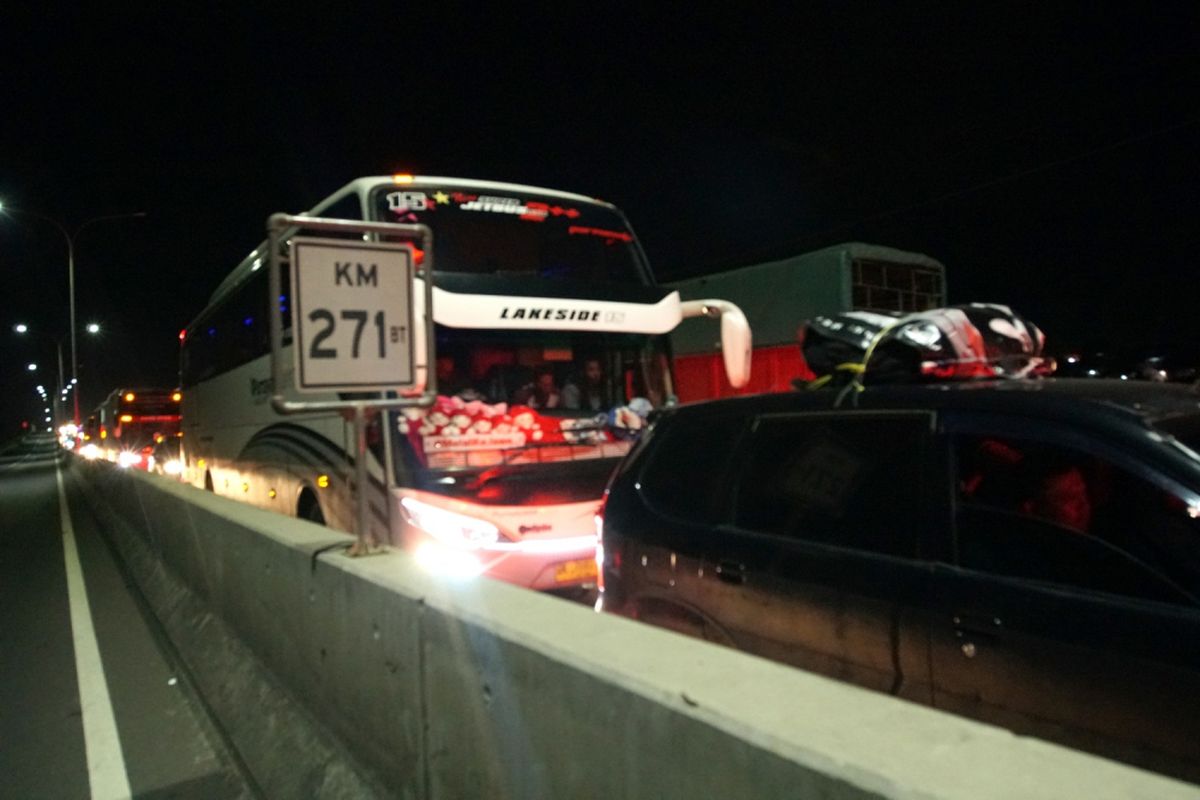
(208, 482)
(309, 508)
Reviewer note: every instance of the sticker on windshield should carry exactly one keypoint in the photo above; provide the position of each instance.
(400, 202)
(611, 236)
(531, 211)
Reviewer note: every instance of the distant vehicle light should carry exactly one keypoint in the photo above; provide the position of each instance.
(183, 334)
(177, 396)
(90, 452)
(129, 396)
(127, 418)
(128, 458)
(173, 467)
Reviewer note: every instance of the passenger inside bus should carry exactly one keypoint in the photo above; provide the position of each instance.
(542, 392)
(588, 390)
(452, 380)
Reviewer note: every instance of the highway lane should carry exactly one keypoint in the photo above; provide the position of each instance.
(92, 703)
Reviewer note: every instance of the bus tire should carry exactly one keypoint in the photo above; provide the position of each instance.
(309, 507)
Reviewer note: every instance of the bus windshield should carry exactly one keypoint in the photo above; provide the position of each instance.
(512, 402)
(511, 233)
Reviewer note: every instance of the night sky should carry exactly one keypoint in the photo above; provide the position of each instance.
(1048, 156)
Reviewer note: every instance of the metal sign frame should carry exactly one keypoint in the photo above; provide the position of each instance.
(277, 225)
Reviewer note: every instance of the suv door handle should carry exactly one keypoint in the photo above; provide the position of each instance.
(970, 628)
(985, 624)
(731, 572)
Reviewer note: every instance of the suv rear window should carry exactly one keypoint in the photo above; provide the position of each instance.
(686, 475)
(853, 480)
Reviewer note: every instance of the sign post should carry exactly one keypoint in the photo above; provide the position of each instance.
(353, 328)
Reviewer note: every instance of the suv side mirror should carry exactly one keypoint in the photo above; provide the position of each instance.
(736, 337)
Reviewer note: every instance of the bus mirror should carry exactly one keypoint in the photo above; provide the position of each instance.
(736, 342)
(736, 338)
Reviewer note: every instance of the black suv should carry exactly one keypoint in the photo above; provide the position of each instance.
(1023, 552)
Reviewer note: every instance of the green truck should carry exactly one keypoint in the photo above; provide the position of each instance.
(778, 296)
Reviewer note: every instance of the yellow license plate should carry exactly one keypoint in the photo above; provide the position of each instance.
(578, 570)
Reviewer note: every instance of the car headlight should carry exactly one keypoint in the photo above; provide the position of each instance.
(450, 527)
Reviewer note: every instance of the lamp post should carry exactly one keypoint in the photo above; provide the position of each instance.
(25, 330)
(70, 237)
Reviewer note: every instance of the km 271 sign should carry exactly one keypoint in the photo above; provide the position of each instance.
(352, 315)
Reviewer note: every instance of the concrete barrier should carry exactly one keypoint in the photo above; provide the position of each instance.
(340, 677)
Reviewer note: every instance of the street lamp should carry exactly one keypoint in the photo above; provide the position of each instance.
(63, 386)
(70, 237)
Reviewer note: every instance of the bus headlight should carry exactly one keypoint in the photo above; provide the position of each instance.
(128, 458)
(450, 527)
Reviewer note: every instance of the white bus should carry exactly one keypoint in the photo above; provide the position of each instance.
(552, 347)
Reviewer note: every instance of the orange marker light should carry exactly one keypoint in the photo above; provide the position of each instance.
(127, 418)
(402, 178)
(129, 397)
(177, 397)
(271, 494)
(323, 481)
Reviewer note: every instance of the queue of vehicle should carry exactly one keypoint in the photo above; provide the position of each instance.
(985, 538)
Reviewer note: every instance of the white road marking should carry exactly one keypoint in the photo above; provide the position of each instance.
(106, 762)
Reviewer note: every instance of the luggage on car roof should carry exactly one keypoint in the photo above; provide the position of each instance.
(974, 340)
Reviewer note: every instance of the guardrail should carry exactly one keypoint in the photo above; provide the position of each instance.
(335, 676)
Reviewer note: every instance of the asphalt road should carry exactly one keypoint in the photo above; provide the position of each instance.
(92, 703)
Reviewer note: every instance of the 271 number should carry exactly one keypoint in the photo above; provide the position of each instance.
(357, 316)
